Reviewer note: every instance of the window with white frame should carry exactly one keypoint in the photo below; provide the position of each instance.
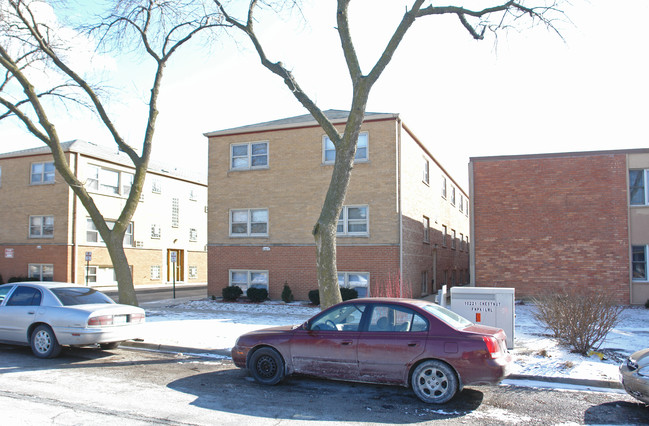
(91, 274)
(193, 272)
(353, 221)
(108, 181)
(93, 236)
(638, 188)
(362, 149)
(426, 224)
(175, 212)
(359, 281)
(639, 263)
(461, 204)
(247, 156)
(425, 178)
(42, 173)
(443, 186)
(249, 223)
(155, 231)
(155, 272)
(41, 226)
(41, 271)
(452, 195)
(245, 279)
(193, 234)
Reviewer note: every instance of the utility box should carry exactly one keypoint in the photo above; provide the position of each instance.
(491, 306)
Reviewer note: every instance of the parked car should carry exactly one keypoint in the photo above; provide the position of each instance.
(47, 315)
(634, 374)
(381, 340)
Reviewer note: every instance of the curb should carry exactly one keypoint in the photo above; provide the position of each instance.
(605, 384)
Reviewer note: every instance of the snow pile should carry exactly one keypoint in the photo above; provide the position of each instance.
(214, 325)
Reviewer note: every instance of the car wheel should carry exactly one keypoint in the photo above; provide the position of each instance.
(266, 366)
(111, 345)
(434, 382)
(44, 343)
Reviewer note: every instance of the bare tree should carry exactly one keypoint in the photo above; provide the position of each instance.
(33, 45)
(476, 22)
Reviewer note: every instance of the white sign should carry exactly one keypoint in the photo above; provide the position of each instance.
(173, 256)
(9, 253)
(88, 256)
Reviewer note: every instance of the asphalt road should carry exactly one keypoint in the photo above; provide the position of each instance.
(133, 387)
(145, 295)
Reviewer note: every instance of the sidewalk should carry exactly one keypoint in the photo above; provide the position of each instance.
(209, 328)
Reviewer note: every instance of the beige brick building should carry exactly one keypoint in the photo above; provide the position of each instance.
(571, 222)
(404, 227)
(45, 232)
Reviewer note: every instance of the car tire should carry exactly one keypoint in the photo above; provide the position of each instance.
(434, 382)
(266, 366)
(111, 345)
(44, 343)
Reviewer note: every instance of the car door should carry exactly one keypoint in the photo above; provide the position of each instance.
(394, 338)
(327, 346)
(18, 312)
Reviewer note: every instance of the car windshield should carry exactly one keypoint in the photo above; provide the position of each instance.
(449, 317)
(80, 296)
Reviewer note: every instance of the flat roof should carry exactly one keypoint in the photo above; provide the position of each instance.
(560, 155)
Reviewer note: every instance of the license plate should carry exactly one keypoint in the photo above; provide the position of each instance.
(119, 319)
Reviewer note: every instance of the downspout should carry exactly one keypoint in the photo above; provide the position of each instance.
(472, 241)
(399, 206)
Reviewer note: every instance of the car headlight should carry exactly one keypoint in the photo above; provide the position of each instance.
(631, 364)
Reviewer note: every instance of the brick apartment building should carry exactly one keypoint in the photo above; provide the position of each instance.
(562, 222)
(403, 213)
(45, 231)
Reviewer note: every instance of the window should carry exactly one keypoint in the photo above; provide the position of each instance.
(91, 274)
(461, 241)
(453, 244)
(92, 233)
(329, 151)
(395, 319)
(193, 272)
(425, 177)
(107, 181)
(247, 279)
(155, 231)
(192, 195)
(249, 223)
(639, 263)
(175, 212)
(193, 234)
(353, 220)
(155, 272)
(461, 205)
(343, 318)
(359, 281)
(444, 235)
(42, 272)
(246, 156)
(452, 195)
(41, 227)
(638, 187)
(156, 186)
(426, 223)
(42, 173)
(443, 186)
(424, 283)
(25, 296)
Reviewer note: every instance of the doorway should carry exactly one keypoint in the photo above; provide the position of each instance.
(179, 270)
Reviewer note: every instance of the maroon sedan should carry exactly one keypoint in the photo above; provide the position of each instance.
(379, 340)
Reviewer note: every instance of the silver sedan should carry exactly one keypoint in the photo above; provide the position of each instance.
(47, 316)
(634, 374)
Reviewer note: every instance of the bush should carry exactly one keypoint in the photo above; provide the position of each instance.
(348, 293)
(20, 279)
(232, 293)
(1, 282)
(256, 294)
(287, 294)
(646, 304)
(314, 297)
(579, 321)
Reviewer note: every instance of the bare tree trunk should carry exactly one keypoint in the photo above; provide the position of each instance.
(125, 289)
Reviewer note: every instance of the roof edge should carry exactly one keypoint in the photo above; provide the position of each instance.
(560, 154)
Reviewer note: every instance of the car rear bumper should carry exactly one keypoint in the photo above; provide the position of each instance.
(87, 336)
(492, 372)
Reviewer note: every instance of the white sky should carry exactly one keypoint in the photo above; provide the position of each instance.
(529, 93)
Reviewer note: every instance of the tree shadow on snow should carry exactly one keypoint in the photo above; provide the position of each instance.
(305, 398)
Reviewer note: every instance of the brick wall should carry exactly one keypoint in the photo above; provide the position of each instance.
(23, 255)
(296, 266)
(545, 224)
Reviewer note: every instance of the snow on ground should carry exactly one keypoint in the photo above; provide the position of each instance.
(215, 325)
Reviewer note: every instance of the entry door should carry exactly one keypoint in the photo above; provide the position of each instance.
(179, 269)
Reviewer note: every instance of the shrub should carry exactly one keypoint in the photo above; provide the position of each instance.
(287, 294)
(314, 297)
(579, 321)
(646, 304)
(256, 294)
(1, 282)
(348, 293)
(232, 293)
(20, 279)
